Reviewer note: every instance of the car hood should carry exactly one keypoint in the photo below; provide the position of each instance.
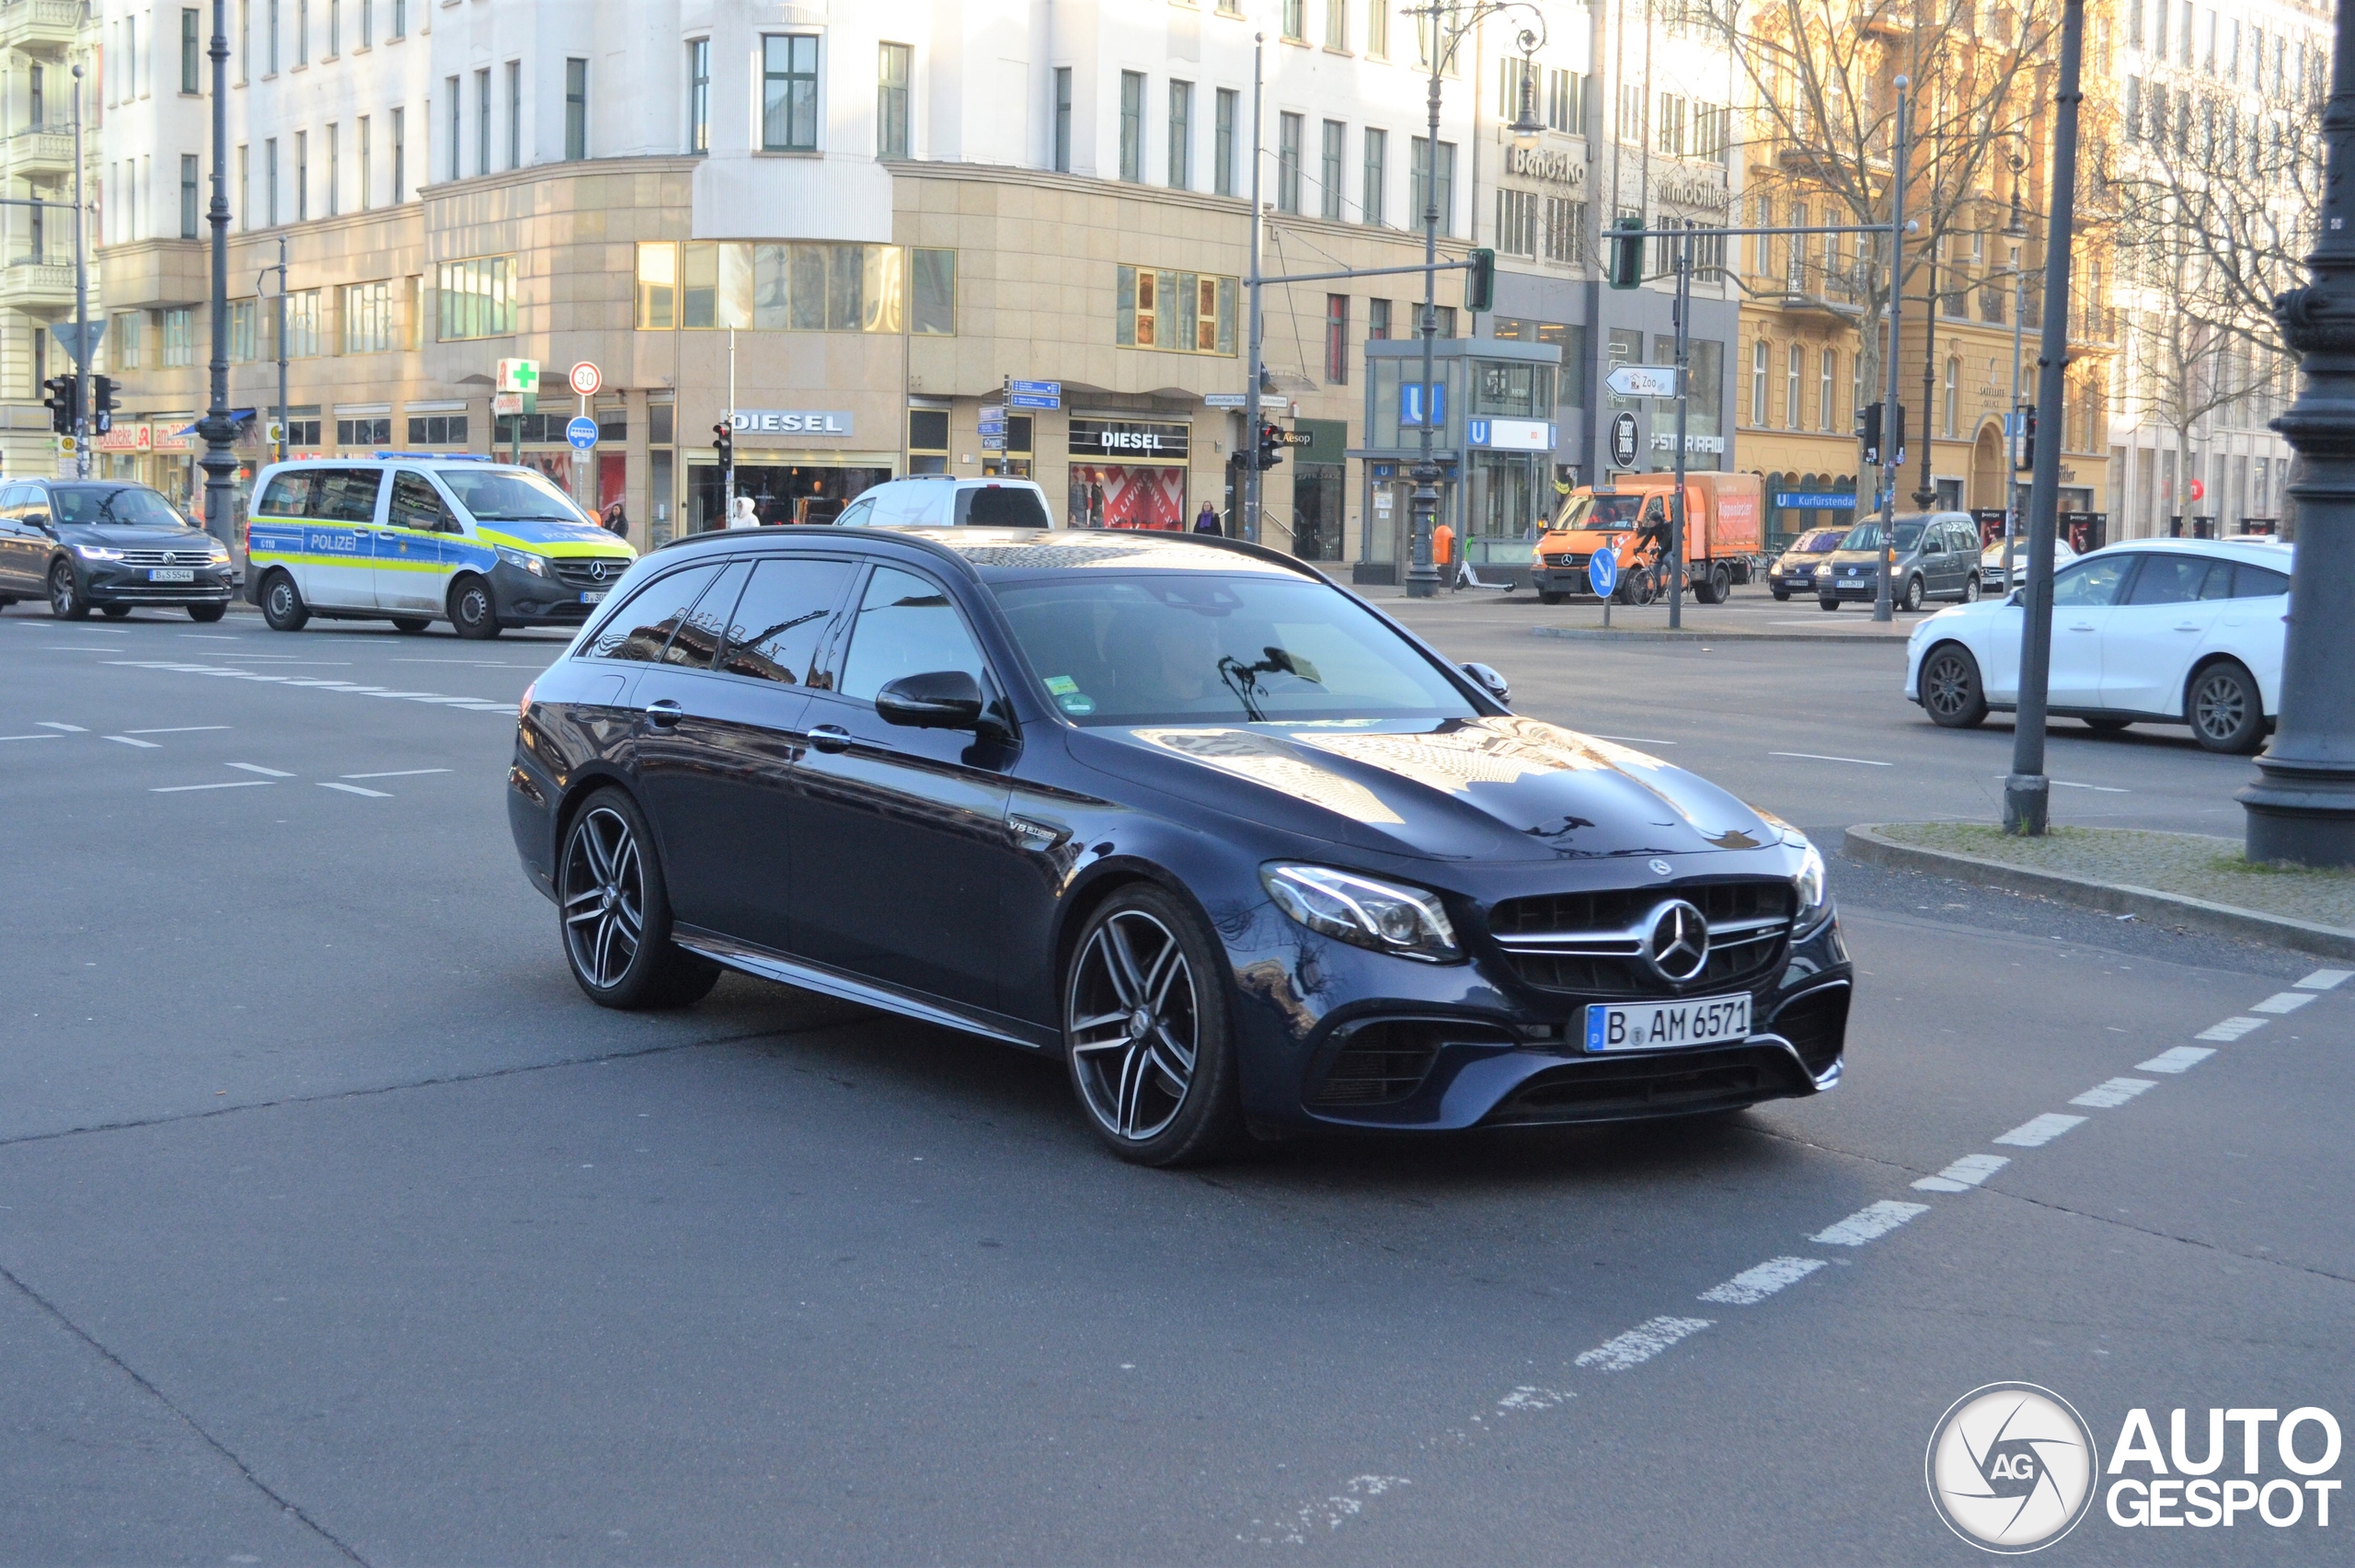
(126, 536)
(1497, 788)
(554, 538)
(1790, 559)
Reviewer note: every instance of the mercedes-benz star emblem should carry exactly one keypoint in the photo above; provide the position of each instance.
(1679, 945)
(1662, 868)
(597, 570)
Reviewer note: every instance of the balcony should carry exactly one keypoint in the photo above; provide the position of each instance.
(1809, 287)
(40, 26)
(28, 284)
(41, 151)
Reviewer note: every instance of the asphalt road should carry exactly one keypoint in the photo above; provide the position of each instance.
(336, 1225)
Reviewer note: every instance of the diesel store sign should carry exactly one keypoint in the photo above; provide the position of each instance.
(790, 422)
(1128, 441)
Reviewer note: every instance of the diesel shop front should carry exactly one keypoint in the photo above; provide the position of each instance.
(798, 465)
(1128, 472)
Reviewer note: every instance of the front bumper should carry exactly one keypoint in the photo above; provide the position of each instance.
(112, 582)
(526, 598)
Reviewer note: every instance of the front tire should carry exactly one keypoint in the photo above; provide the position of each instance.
(65, 599)
(1547, 596)
(613, 912)
(1147, 1034)
(2225, 709)
(205, 614)
(1827, 604)
(412, 624)
(281, 604)
(473, 615)
(115, 611)
(1782, 595)
(1952, 693)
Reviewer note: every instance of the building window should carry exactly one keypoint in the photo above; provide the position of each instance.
(1377, 28)
(334, 28)
(1291, 128)
(245, 343)
(456, 141)
(273, 39)
(1329, 171)
(1517, 223)
(1826, 411)
(245, 186)
(482, 121)
(187, 196)
(244, 40)
(699, 96)
(1954, 390)
(302, 175)
(437, 429)
(1132, 126)
(1336, 24)
(363, 163)
(514, 114)
(301, 32)
(1565, 222)
(1758, 383)
(478, 298)
(180, 336)
(1423, 192)
(658, 287)
(367, 429)
(270, 176)
(576, 110)
(774, 286)
(1184, 313)
(1229, 109)
(1063, 119)
(932, 293)
(126, 338)
(1181, 135)
(1791, 389)
(1377, 321)
(303, 326)
(894, 66)
(928, 440)
(1444, 316)
(1377, 174)
(400, 154)
(191, 52)
(1296, 20)
(1562, 107)
(368, 324)
(335, 170)
(1337, 340)
(789, 93)
(367, 23)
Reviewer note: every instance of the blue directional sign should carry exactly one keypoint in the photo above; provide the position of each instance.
(1037, 388)
(1034, 399)
(581, 431)
(1602, 573)
(992, 427)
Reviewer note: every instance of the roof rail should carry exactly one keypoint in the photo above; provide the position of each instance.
(440, 456)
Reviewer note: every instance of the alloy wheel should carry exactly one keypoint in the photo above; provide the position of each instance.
(605, 897)
(2219, 706)
(1948, 685)
(1135, 1025)
(65, 594)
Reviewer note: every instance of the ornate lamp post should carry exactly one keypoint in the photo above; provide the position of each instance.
(219, 463)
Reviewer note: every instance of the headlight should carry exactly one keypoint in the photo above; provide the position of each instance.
(535, 565)
(219, 551)
(1405, 920)
(1809, 884)
(96, 553)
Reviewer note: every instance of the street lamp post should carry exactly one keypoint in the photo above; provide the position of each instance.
(2301, 808)
(1898, 172)
(219, 463)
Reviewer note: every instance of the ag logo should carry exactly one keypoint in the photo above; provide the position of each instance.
(2011, 1468)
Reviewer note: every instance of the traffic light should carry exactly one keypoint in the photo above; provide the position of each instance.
(1869, 431)
(1272, 444)
(723, 442)
(1628, 254)
(1480, 281)
(2027, 437)
(59, 401)
(101, 405)
(1897, 437)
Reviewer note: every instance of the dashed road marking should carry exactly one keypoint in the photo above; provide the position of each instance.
(77, 729)
(1870, 1223)
(175, 729)
(1530, 1397)
(49, 737)
(1753, 1285)
(2114, 1093)
(1819, 756)
(1964, 1173)
(1641, 1343)
(2041, 1130)
(355, 789)
(2182, 1059)
(127, 740)
(232, 784)
(397, 774)
(2283, 1002)
(1627, 739)
(257, 768)
(2230, 1029)
(2325, 979)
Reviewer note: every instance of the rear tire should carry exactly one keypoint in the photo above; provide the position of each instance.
(281, 604)
(1913, 595)
(412, 624)
(613, 912)
(1952, 693)
(1827, 604)
(205, 614)
(1971, 590)
(2109, 726)
(2225, 709)
(473, 615)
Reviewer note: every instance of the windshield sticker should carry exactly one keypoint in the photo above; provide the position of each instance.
(1061, 685)
(1076, 703)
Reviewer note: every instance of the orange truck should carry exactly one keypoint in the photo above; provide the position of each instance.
(1724, 536)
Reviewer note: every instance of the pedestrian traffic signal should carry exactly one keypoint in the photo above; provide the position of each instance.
(1868, 432)
(58, 399)
(101, 405)
(1480, 281)
(1272, 444)
(2027, 436)
(1628, 254)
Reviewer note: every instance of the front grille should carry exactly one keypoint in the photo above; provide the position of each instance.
(580, 571)
(1384, 1062)
(1611, 1088)
(1817, 1026)
(166, 557)
(1612, 909)
(1567, 561)
(1591, 944)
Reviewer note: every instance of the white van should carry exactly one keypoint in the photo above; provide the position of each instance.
(943, 500)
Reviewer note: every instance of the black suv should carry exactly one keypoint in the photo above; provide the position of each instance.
(109, 545)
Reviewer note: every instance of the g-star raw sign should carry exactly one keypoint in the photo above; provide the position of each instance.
(790, 422)
(1124, 438)
(1544, 163)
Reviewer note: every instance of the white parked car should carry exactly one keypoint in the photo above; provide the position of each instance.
(1991, 563)
(943, 500)
(2156, 631)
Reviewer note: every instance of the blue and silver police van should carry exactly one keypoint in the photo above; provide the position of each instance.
(419, 537)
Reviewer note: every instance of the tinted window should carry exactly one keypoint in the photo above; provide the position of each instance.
(289, 494)
(642, 627)
(508, 494)
(1190, 647)
(861, 511)
(348, 494)
(1868, 535)
(118, 503)
(1001, 506)
(907, 625)
(1823, 542)
(775, 630)
(697, 642)
(2256, 582)
(416, 504)
(2173, 579)
(2090, 583)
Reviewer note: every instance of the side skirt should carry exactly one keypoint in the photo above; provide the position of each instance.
(829, 981)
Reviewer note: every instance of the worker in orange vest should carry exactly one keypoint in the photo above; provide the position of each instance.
(1443, 552)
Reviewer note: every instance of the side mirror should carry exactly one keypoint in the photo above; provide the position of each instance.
(2018, 596)
(1489, 680)
(37, 519)
(938, 699)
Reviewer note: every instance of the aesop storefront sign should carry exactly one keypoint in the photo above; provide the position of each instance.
(1545, 164)
(1128, 441)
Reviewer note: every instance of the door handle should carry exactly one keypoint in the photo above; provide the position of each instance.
(830, 738)
(664, 712)
(2187, 628)
(2081, 626)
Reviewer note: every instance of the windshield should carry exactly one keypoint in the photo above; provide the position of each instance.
(1866, 535)
(126, 504)
(509, 495)
(1823, 542)
(1618, 511)
(1192, 647)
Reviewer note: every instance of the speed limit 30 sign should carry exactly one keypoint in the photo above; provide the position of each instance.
(586, 379)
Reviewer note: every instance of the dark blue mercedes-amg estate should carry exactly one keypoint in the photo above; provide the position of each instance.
(1250, 856)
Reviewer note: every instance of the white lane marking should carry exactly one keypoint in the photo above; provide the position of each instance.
(1819, 756)
(1964, 1173)
(2325, 979)
(2283, 1002)
(1753, 1285)
(1870, 1223)
(1641, 1343)
(401, 773)
(176, 730)
(1327, 1514)
(233, 784)
(355, 789)
(212, 638)
(449, 702)
(127, 740)
(1634, 739)
(380, 692)
(257, 768)
(77, 729)
(491, 707)
(2105, 789)
(2041, 1130)
(1530, 1397)
(2113, 1092)
(2182, 1059)
(2230, 1029)
(31, 737)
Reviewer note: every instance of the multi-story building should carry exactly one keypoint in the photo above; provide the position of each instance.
(42, 43)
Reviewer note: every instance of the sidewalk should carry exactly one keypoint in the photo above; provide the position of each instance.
(2189, 881)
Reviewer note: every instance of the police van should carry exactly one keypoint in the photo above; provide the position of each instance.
(416, 537)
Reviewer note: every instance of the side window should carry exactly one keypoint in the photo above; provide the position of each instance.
(417, 504)
(697, 641)
(642, 628)
(348, 494)
(782, 617)
(2258, 582)
(289, 494)
(1001, 506)
(2090, 583)
(2169, 580)
(861, 511)
(907, 625)
(1935, 540)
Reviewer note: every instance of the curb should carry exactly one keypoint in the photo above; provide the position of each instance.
(1598, 634)
(1863, 842)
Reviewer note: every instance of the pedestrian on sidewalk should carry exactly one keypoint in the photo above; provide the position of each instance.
(615, 521)
(742, 513)
(1208, 522)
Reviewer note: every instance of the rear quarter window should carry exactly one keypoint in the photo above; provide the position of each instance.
(2258, 582)
(289, 495)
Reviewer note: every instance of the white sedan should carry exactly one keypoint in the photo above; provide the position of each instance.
(2161, 631)
(1991, 562)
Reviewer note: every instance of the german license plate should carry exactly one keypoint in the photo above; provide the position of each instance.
(592, 596)
(1657, 1025)
(171, 574)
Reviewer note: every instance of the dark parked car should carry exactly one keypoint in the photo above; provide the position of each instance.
(1935, 557)
(1247, 854)
(86, 544)
(1794, 570)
